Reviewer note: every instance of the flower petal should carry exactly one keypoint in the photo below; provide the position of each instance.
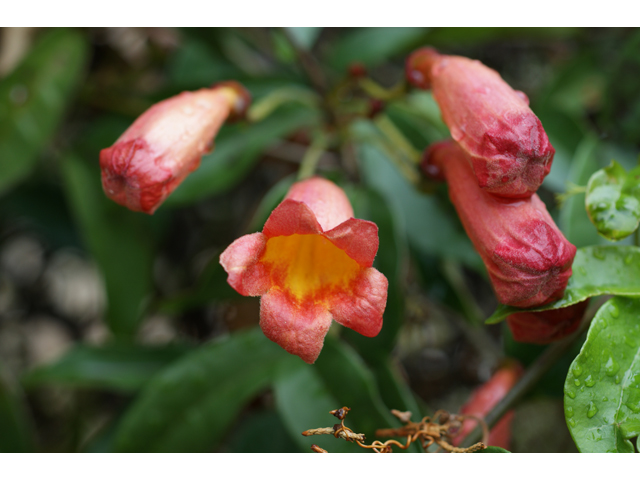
(358, 239)
(548, 326)
(240, 261)
(289, 218)
(299, 328)
(361, 310)
(326, 200)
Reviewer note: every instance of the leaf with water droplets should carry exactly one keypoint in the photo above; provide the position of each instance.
(597, 270)
(603, 417)
(613, 201)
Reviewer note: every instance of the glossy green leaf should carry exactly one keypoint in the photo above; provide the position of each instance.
(269, 202)
(602, 390)
(260, 432)
(189, 406)
(304, 402)
(17, 434)
(394, 390)
(613, 201)
(33, 99)
(599, 270)
(120, 367)
(372, 46)
(119, 240)
(237, 149)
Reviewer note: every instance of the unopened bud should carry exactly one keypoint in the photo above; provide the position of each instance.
(493, 123)
(548, 326)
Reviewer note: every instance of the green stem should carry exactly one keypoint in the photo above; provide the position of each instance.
(311, 157)
(397, 138)
(375, 90)
(268, 104)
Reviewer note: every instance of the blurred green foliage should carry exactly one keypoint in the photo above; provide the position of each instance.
(216, 383)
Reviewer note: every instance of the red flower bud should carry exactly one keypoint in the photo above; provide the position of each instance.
(311, 263)
(155, 154)
(527, 257)
(487, 396)
(548, 326)
(493, 123)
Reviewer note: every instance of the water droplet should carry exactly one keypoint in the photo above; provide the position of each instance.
(187, 110)
(605, 399)
(572, 422)
(568, 412)
(577, 369)
(592, 410)
(456, 133)
(611, 367)
(598, 253)
(614, 311)
(576, 382)
(589, 381)
(570, 394)
(628, 259)
(617, 379)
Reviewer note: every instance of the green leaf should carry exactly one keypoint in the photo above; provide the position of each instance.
(33, 99)
(119, 240)
(599, 270)
(189, 406)
(602, 390)
(269, 202)
(394, 389)
(304, 402)
(17, 434)
(121, 367)
(260, 432)
(493, 450)
(238, 147)
(372, 46)
(613, 201)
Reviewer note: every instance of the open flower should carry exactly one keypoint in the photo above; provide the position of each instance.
(493, 123)
(155, 154)
(548, 326)
(311, 263)
(487, 396)
(527, 257)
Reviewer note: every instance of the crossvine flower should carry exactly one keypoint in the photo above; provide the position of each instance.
(547, 326)
(164, 144)
(311, 263)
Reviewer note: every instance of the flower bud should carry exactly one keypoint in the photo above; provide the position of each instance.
(487, 396)
(548, 326)
(527, 257)
(493, 123)
(155, 154)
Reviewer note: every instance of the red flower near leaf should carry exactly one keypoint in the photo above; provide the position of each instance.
(548, 326)
(527, 257)
(493, 123)
(487, 396)
(311, 263)
(155, 154)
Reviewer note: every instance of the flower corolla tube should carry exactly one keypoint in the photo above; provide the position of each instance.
(311, 263)
(547, 326)
(493, 123)
(164, 144)
(527, 257)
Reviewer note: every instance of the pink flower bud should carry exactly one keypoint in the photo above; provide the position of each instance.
(487, 396)
(527, 257)
(548, 326)
(155, 154)
(311, 263)
(493, 123)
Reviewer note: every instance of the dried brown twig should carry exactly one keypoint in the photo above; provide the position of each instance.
(428, 431)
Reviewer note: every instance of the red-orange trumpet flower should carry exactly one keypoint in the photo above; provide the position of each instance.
(493, 123)
(527, 257)
(155, 154)
(548, 326)
(487, 396)
(311, 263)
